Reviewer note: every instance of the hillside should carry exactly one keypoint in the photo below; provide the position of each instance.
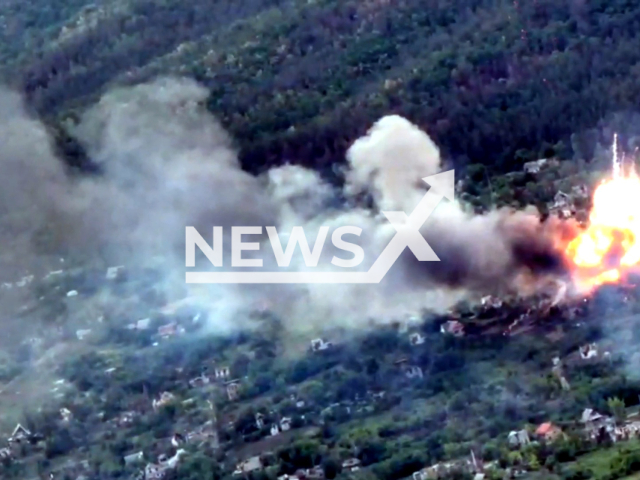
(396, 399)
(494, 82)
(112, 382)
(103, 377)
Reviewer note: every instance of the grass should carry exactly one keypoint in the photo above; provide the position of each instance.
(600, 460)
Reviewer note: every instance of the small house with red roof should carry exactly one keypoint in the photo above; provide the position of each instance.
(548, 432)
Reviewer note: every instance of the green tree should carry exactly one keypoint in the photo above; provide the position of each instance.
(617, 408)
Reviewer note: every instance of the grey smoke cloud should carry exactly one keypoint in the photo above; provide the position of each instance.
(478, 253)
(168, 163)
(33, 187)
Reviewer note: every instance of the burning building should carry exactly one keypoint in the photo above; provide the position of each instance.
(608, 250)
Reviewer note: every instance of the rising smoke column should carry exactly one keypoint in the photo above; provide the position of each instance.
(167, 164)
(478, 252)
(34, 190)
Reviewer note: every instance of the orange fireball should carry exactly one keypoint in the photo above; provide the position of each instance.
(610, 246)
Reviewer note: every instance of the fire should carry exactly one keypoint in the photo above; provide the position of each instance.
(610, 246)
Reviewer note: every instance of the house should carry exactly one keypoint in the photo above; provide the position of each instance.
(133, 458)
(378, 395)
(558, 372)
(142, 324)
(627, 431)
(593, 423)
(221, 373)
(426, 473)
(113, 272)
(589, 351)
(413, 371)
(591, 417)
(548, 432)
(563, 213)
(233, 388)
(177, 440)
(535, 166)
(315, 473)
(155, 472)
(285, 424)
(320, 344)
(518, 439)
(351, 465)
(250, 465)
(125, 419)
(562, 205)
(444, 469)
(416, 339)
(165, 399)
(82, 334)
(20, 435)
(25, 281)
(580, 191)
(169, 330)
(491, 302)
(204, 433)
(173, 461)
(65, 414)
(199, 382)
(452, 327)
(561, 199)
(465, 465)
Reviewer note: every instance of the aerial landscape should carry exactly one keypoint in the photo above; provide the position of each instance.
(516, 355)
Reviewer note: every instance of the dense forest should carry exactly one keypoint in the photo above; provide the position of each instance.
(494, 82)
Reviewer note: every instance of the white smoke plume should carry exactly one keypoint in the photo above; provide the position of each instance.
(167, 163)
(390, 161)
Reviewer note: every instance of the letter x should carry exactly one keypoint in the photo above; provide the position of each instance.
(408, 227)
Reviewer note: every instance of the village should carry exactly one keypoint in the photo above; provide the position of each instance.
(218, 388)
(147, 381)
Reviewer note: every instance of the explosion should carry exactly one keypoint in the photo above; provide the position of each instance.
(609, 249)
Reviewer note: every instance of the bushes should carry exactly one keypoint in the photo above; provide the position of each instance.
(59, 444)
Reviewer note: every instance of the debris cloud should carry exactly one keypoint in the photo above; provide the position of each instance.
(477, 252)
(166, 163)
